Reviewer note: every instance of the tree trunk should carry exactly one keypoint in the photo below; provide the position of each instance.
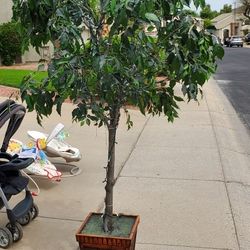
(110, 180)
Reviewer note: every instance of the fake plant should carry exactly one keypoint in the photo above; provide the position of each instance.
(117, 67)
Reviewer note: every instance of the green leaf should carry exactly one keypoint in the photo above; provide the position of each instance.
(112, 6)
(219, 51)
(123, 18)
(178, 98)
(152, 17)
(88, 122)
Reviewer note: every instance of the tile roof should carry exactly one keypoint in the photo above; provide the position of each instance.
(222, 17)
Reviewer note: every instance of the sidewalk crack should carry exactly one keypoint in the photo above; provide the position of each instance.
(239, 183)
(183, 246)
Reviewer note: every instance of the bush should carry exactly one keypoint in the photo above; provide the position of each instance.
(10, 42)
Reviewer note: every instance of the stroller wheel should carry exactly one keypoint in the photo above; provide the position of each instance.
(6, 238)
(25, 220)
(18, 231)
(34, 211)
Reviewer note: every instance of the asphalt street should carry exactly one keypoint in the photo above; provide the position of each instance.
(233, 77)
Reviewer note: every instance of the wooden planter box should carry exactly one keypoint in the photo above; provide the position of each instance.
(99, 242)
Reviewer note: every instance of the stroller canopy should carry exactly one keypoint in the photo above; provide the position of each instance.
(10, 110)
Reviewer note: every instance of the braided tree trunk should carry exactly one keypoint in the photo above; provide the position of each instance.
(110, 178)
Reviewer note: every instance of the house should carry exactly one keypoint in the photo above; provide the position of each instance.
(46, 52)
(229, 24)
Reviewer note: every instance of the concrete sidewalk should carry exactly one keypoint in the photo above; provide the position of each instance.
(189, 181)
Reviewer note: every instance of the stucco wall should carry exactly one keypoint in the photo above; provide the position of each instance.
(5, 11)
(32, 56)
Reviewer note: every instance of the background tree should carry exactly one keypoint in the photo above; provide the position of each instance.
(106, 72)
(227, 8)
(207, 13)
(10, 42)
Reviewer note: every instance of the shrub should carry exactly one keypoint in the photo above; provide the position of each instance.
(10, 42)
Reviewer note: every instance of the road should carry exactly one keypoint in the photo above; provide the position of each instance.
(233, 76)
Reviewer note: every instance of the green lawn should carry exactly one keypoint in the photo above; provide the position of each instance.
(13, 77)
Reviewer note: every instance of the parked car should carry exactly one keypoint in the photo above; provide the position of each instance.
(247, 38)
(235, 41)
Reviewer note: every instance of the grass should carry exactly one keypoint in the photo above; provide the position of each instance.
(13, 77)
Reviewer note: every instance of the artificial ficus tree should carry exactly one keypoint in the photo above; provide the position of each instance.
(111, 69)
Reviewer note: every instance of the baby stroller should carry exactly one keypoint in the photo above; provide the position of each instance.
(11, 180)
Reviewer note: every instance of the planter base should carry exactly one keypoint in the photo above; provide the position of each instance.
(92, 241)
